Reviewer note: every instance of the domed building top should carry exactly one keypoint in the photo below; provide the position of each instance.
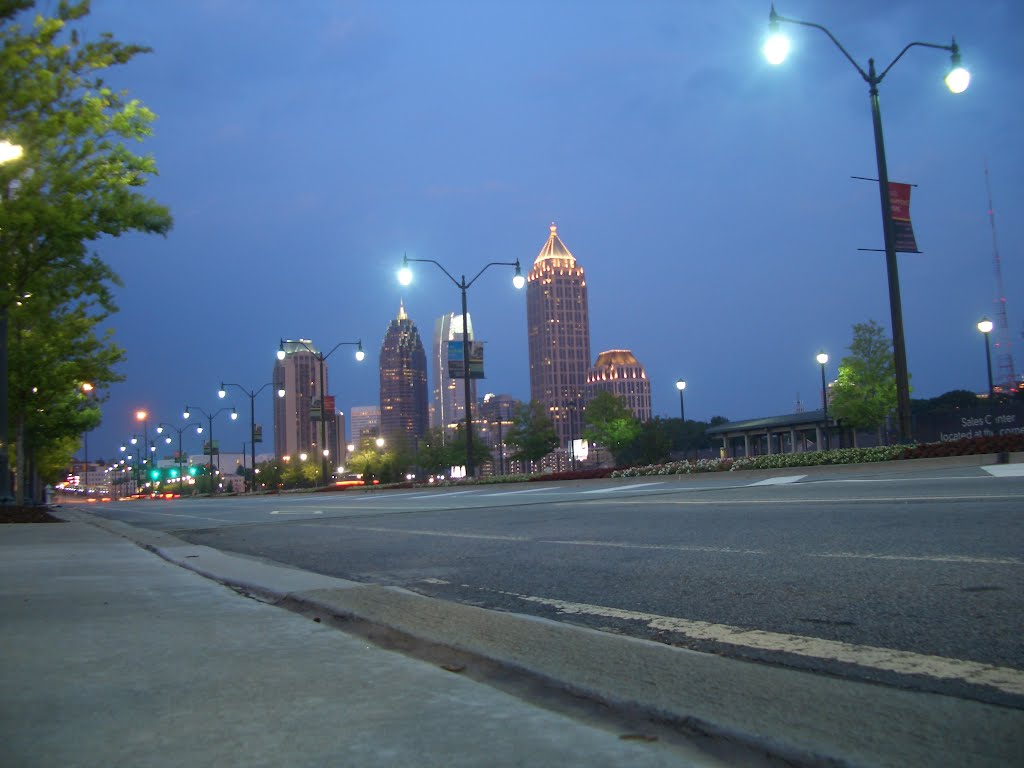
(615, 357)
(554, 248)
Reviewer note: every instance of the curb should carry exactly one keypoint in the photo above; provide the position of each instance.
(799, 716)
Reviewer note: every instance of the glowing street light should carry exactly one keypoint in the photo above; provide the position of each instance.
(209, 417)
(985, 326)
(822, 358)
(681, 385)
(775, 50)
(518, 281)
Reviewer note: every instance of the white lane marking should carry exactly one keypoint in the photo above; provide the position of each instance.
(875, 499)
(924, 558)
(903, 662)
(442, 534)
(1005, 470)
(435, 581)
(171, 514)
(304, 512)
(778, 480)
(624, 487)
(510, 493)
(673, 547)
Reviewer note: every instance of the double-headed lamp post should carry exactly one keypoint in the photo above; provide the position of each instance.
(822, 358)
(776, 48)
(405, 278)
(360, 356)
(985, 326)
(179, 430)
(209, 417)
(251, 394)
(681, 385)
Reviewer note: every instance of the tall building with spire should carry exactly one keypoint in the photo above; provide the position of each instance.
(403, 382)
(558, 324)
(449, 397)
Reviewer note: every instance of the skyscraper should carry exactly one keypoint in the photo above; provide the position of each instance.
(448, 393)
(617, 371)
(298, 375)
(403, 382)
(558, 324)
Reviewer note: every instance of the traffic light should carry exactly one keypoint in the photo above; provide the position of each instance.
(193, 471)
(154, 474)
(172, 473)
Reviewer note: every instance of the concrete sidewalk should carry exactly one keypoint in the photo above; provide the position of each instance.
(113, 656)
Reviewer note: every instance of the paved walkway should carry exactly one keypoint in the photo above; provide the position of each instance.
(112, 656)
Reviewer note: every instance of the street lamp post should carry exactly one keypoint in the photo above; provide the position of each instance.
(322, 357)
(251, 394)
(209, 418)
(143, 416)
(681, 385)
(179, 430)
(405, 278)
(822, 358)
(8, 153)
(985, 326)
(776, 49)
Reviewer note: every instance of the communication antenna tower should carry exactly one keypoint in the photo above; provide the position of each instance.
(1005, 374)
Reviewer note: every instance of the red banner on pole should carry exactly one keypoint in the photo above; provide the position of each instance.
(899, 207)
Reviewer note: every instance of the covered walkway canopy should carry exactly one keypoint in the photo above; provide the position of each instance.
(792, 433)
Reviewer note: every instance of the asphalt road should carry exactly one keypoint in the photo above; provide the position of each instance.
(913, 578)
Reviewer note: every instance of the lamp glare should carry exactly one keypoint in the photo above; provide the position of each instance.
(958, 79)
(776, 48)
(405, 276)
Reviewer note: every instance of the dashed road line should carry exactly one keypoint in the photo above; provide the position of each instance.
(669, 547)
(1005, 470)
(303, 512)
(778, 480)
(512, 493)
(616, 488)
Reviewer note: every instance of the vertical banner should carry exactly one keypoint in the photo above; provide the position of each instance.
(899, 206)
(456, 369)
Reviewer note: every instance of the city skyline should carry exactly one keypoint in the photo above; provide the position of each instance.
(708, 194)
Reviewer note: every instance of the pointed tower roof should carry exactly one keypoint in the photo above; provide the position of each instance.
(554, 248)
(401, 310)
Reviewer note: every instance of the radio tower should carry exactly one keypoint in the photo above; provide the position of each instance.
(1005, 374)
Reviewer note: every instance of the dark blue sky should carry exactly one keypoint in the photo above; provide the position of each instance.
(305, 146)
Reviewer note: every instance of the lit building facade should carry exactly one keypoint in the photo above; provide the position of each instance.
(617, 371)
(403, 382)
(298, 374)
(364, 422)
(449, 399)
(558, 324)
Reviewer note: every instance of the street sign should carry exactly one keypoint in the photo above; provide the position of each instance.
(257, 433)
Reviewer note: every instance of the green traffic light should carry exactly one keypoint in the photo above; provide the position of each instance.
(193, 471)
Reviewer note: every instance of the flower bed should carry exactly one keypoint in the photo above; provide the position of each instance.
(967, 447)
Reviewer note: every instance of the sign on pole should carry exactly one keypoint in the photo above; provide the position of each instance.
(456, 369)
(899, 206)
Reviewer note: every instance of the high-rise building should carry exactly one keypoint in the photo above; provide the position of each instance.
(558, 323)
(403, 382)
(448, 393)
(298, 374)
(617, 371)
(364, 422)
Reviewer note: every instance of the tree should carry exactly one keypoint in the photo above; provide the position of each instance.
(532, 433)
(435, 454)
(865, 392)
(610, 423)
(76, 183)
(652, 445)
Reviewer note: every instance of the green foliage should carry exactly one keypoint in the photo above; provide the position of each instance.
(533, 433)
(865, 392)
(76, 183)
(481, 452)
(652, 445)
(611, 424)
